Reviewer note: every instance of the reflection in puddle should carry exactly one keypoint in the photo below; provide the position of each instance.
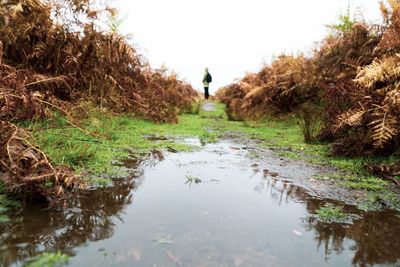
(243, 213)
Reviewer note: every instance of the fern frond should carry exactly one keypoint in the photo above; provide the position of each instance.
(394, 4)
(383, 127)
(383, 70)
(392, 99)
(349, 118)
(38, 50)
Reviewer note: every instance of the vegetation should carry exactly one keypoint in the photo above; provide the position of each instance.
(346, 93)
(54, 57)
(192, 179)
(6, 204)
(49, 260)
(80, 107)
(330, 213)
(76, 99)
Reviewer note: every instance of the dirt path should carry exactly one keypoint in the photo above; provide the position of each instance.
(229, 202)
(208, 106)
(299, 172)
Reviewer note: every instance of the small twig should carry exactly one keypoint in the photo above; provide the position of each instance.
(52, 127)
(44, 80)
(397, 182)
(5, 165)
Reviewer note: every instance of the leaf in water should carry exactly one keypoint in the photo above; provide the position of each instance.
(163, 240)
(297, 233)
(174, 258)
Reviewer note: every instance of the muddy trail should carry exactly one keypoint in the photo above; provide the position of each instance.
(226, 203)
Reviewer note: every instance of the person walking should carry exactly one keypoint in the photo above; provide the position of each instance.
(207, 79)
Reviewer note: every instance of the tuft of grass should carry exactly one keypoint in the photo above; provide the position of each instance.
(100, 182)
(369, 183)
(196, 108)
(208, 137)
(330, 213)
(192, 179)
(380, 200)
(309, 122)
(48, 259)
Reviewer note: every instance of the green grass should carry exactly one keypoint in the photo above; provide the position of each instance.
(285, 136)
(87, 154)
(48, 259)
(192, 179)
(330, 213)
(122, 137)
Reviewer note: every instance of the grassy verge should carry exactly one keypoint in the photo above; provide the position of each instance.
(285, 137)
(126, 138)
(122, 137)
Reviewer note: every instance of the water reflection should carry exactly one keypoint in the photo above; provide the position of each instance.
(91, 218)
(376, 235)
(236, 216)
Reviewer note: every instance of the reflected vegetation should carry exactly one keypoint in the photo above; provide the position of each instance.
(371, 237)
(92, 217)
(376, 235)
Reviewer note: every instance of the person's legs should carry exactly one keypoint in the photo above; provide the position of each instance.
(206, 92)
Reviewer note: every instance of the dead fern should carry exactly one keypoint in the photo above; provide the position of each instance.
(349, 118)
(383, 126)
(384, 70)
(26, 169)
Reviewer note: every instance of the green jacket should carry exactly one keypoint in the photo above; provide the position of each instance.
(205, 83)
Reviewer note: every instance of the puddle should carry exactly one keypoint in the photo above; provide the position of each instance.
(242, 213)
(208, 106)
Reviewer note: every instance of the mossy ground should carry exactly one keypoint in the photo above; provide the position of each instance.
(49, 259)
(125, 136)
(330, 213)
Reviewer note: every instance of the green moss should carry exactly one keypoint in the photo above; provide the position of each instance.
(49, 260)
(101, 182)
(330, 213)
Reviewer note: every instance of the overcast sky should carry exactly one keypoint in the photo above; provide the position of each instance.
(230, 37)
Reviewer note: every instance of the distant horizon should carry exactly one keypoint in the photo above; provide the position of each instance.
(230, 37)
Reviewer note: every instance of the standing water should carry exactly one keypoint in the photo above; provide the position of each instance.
(217, 206)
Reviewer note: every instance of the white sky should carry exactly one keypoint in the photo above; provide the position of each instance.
(231, 37)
